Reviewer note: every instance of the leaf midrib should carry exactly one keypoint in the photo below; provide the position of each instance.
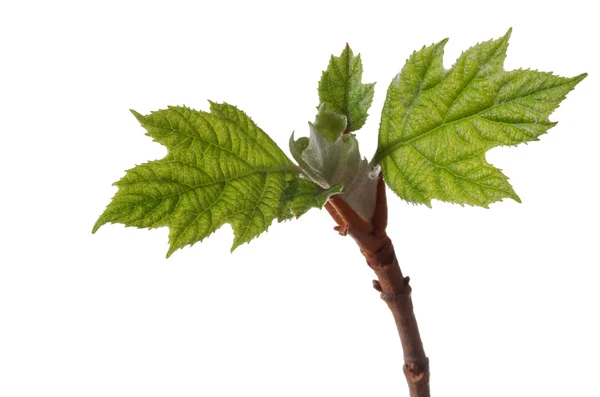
(396, 145)
(214, 182)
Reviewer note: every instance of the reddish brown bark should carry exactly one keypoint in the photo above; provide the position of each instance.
(395, 290)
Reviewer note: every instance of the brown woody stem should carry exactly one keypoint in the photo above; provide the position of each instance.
(395, 290)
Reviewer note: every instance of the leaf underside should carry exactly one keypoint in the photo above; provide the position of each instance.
(342, 90)
(437, 124)
(220, 168)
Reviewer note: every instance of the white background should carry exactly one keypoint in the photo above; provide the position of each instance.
(506, 298)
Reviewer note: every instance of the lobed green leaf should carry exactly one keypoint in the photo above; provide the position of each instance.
(437, 124)
(342, 90)
(220, 168)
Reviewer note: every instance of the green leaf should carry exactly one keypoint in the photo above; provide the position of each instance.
(329, 123)
(341, 89)
(303, 195)
(437, 124)
(220, 168)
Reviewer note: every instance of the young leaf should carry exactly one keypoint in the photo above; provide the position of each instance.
(220, 168)
(437, 124)
(303, 194)
(341, 89)
(329, 157)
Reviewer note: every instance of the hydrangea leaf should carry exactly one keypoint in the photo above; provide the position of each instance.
(220, 168)
(341, 88)
(437, 124)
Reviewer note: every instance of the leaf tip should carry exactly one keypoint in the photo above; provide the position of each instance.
(503, 41)
(137, 115)
(580, 77)
(170, 252)
(97, 225)
(347, 52)
(234, 246)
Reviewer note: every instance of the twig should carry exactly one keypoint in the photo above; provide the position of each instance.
(394, 288)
